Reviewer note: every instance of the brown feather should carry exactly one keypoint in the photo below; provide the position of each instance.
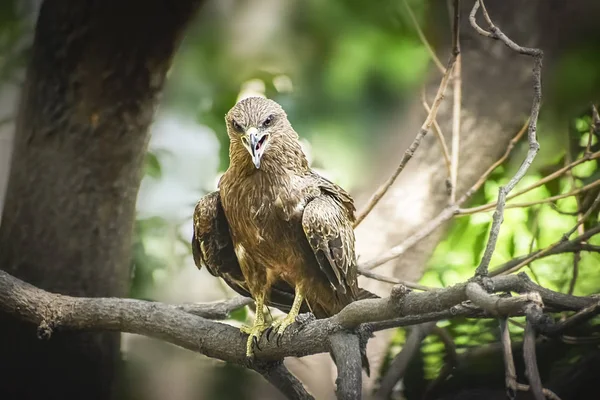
(281, 226)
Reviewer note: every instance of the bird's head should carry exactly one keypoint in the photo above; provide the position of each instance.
(259, 126)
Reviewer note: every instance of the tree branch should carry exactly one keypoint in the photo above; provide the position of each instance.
(408, 154)
(345, 349)
(217, 310)
(510, 373)
(398, 366)
(445, 215)
(531, 368)
(52, 312)
(280, 377)
(537, 54)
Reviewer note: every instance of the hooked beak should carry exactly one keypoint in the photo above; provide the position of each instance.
(255, 142)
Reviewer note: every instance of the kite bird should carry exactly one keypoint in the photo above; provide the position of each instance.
(276, 230)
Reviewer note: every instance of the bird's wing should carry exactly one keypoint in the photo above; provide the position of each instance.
(328, 228)
(212, 248)
(337, 193)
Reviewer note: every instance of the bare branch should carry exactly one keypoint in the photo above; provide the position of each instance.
(456, 115)
(440, 136)
(445, 215)
(489, 206)
(510, 374)
(392, 280)
(496, 305)
(576, 319)
(537, 54)
(408, 154)
(457, 99)
(217, 340)
(424, 40)
(531, 368)
(217, 310)
(473, 21)
(345, 349)
(280, 377)
(562, 244)
(398, 366)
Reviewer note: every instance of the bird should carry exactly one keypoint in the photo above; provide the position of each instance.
(276, 230)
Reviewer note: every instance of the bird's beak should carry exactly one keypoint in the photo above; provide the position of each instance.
(256, 142)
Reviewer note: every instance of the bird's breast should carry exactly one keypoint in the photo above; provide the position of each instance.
(265, 222)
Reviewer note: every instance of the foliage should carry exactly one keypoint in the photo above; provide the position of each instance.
(524, 230)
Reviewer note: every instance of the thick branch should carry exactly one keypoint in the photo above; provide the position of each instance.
(216, 310)
(280, 377)
(218, 340)
(496, 305)
(345, 349)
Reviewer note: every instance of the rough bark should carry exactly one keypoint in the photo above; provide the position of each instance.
(93, 81)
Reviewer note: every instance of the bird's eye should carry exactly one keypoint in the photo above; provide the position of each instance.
(268, 121)
(237, 127)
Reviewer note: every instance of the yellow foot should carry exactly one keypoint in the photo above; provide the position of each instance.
(255, 332)
(279, 327)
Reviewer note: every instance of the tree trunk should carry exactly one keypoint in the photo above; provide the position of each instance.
(93, 82)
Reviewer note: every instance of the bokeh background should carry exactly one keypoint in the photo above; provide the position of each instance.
(350, 75)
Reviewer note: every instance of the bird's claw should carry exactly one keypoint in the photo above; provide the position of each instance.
(254, 333)
(278, 328)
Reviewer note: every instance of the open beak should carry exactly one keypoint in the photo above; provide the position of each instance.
(256, 144)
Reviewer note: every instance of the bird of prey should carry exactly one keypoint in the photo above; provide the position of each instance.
(276, 230)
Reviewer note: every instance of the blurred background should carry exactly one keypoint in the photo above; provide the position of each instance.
(350, 74)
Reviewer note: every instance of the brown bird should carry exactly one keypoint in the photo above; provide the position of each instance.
(276, 230)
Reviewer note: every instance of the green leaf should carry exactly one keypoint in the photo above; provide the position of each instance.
(241, 314)
(152, 166)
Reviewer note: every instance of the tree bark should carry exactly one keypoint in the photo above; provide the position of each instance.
(92, 85)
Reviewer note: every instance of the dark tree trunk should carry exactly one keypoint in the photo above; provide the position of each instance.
(92, 86)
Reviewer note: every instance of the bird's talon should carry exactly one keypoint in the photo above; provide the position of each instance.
(254, 334)
(279, 327)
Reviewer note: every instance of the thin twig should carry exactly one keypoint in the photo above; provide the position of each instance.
(549, 394)
(440, 136)
(576, 244)
(551, 199)
(574, 320)
(510, 373)
(445, 215)
(408, 154)
(474, 24)
(390, 279)
(430, 50)
(456, 116)
(537, 54)
(556, 174)
(563, 239)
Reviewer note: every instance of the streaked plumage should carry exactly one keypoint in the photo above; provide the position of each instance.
(275, 229)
